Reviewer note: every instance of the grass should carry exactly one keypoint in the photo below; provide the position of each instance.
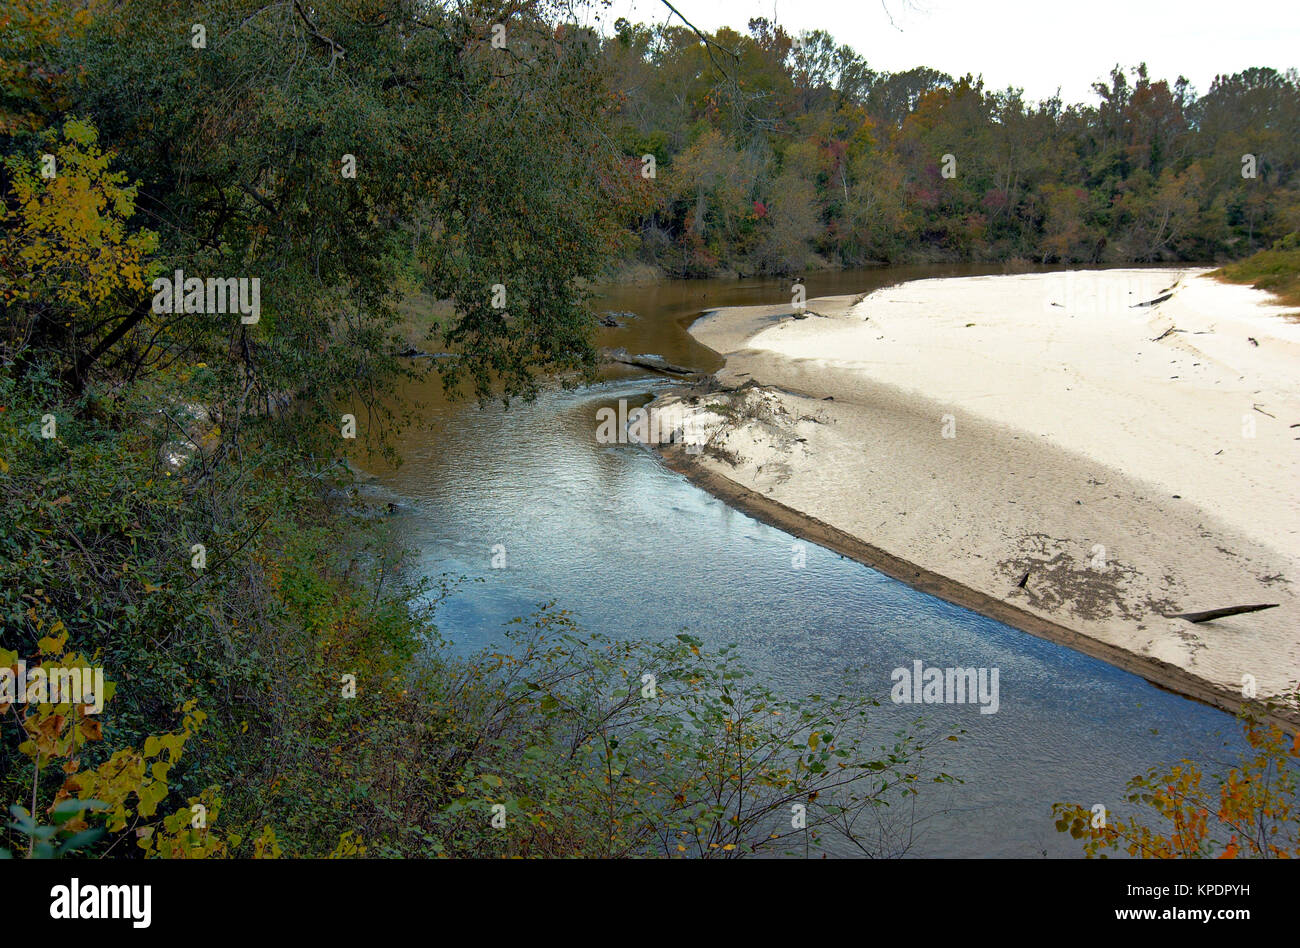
(419, 312)
(1276, 270)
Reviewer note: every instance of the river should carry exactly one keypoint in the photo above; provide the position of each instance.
(635, 550)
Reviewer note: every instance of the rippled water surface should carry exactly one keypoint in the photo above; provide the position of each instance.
(635, 550)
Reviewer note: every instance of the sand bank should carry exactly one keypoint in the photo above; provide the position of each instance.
(1042, 448)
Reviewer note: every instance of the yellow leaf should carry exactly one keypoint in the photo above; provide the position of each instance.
(51, 645)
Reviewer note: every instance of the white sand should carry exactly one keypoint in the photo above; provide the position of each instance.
(1071, 431)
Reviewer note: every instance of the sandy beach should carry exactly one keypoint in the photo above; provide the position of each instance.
(1081, 455)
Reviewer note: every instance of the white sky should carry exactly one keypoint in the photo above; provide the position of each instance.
(1037, 45)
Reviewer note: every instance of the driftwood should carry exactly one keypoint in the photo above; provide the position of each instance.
(410, 352)
(1158, 299)
(610, 318)
(646, 360)
(1220, 613)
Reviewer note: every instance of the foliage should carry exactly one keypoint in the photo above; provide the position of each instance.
(588, 756)
(67, 254)
(96, 808)
(1187, 813)
(242, 144)
(119, 796)
(1276, 270)
(33, 81)
(1148, 172)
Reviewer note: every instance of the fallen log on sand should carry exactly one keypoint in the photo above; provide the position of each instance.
(1220, 613)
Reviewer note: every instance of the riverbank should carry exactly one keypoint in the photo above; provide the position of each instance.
(1079, 455)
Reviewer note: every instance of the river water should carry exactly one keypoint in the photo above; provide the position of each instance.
(635, 550)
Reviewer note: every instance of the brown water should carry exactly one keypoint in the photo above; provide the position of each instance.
(635, 550)
(669, 308)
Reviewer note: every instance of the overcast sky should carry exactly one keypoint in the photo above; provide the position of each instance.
(1037, 45)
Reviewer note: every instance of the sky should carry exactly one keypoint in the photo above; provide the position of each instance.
(1038, 46)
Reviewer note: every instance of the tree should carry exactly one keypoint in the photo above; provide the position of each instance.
(242, 144)
(35, 83)
(1185, 813)
(72, 269)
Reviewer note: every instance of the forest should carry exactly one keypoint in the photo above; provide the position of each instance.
(782, 153)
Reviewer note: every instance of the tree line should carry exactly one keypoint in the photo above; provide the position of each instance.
(776, 153)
